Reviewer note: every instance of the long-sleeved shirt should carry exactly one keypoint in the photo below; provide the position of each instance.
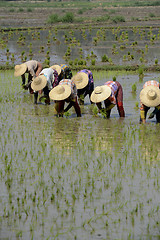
(72, 98)
(48, 73)
(73, 87)
(66, 72)
(56, 79)
(116, 97)
(90, 85)
(31, 67)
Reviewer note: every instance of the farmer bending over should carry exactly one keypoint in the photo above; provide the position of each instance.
(66, 91)
(46, 80)
(150, 97)
(112, 94)
(33, 68)
(64, 71)
(84, 83)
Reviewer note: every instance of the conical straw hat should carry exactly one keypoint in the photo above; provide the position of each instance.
(100, 93)
(150, 96)
(57, 68)
(39, 83)
(60, 92)
(20, 69)
(81, 80)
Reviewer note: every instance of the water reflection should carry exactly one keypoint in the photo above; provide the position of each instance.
(149, 139)
(65, 133)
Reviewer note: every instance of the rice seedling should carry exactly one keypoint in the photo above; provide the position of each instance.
(156, 61)
(104, 58)
(134, 88)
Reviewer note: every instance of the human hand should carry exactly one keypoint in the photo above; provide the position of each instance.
(25, 87)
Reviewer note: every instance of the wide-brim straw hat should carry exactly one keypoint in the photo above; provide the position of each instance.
(60, 92)
(20, 69)
(150, 96)
(57, 68)
(81, 80)
(39, 83)
(100, 93)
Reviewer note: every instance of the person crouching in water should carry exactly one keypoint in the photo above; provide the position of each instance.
(33, 68)
(150, 97)
(112, 94)
(46, 80)
(66, 91)
(85, 84)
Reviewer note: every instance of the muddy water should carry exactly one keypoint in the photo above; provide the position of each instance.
(121, 45)
(77, 178)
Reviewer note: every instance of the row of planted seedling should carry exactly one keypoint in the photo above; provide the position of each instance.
(121, 37)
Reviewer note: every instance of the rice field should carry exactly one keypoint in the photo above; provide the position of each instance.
(77, 178)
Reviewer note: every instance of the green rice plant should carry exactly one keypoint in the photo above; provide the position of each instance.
(95, 111)
(136, 105)
(30, 52)
(82, 62)
(70, 62)
(124, 57)
(141, 59)
(93, 62)
(156, 61)
(114, 78)
(104, 113)
(95, 41)
(41, 48)
(134, 88)
(110, 61)
(104, 58)
(76, 61)
(12, 58)
(122, 47)
(141, 73)
(93, 55)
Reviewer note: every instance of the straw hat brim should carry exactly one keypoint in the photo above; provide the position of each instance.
(39, 83)
(149, 102)
(81, 80)
(20, 69)
(57, 68)
(102, 95)
(60, 92)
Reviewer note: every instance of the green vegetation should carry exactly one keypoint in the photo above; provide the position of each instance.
(117, 19)
(82, 4)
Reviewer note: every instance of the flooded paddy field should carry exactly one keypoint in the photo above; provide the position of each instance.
(82, 47)
(77, 178)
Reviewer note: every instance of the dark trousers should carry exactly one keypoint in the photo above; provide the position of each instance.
(157, 114)
(46, 93)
